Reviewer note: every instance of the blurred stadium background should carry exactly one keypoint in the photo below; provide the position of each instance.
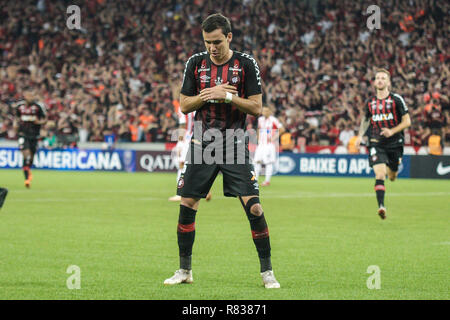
(111, 89)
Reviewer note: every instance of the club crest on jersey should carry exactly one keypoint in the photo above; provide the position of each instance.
(235, 80)
(380, 107)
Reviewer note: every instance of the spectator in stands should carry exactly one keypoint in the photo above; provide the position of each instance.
(435, 144)
(346, 135)
(313, 58)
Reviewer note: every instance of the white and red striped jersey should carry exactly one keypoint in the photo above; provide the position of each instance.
(267, 129)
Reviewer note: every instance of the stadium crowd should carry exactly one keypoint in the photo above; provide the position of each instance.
(120, 74)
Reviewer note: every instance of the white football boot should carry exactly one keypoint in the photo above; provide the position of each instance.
(269, 280)
(382, 212)
(180, 276)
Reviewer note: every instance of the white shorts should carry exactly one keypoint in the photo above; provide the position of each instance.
(265, 153)
(179, 153)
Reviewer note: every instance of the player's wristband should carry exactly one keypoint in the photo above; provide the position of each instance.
(228, 97)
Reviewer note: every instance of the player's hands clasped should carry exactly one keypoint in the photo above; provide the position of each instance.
(218, 92)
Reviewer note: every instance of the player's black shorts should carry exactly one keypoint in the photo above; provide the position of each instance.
(391, 156)
(238, 179)
(28, 143)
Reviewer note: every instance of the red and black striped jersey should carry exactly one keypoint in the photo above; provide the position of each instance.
(385, 113)
(27, 114)
(241, 71)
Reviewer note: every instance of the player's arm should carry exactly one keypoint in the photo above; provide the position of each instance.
(42, 117)
(190, 103)
(365, 123)
(405, 123)
(189, 100)
(252, 105)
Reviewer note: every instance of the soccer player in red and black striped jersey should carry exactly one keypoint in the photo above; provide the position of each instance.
(386, 116)
(31, 115)
(222, 86)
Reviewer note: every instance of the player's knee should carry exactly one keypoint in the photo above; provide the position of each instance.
(253, 207)
(190, 203)
(256, 210)
(392, 176)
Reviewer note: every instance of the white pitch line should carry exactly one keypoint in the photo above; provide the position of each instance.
(81, 200)
(351, 195)
(445, 243)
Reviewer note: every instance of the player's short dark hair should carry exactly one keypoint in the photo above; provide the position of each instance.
(217, 21)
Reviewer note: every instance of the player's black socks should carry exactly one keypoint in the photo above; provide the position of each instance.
(27, 162)
(186, 235)
(380, 190)
(260, 235)
(26, 172)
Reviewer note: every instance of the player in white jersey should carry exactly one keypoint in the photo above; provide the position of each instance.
(269, 129)
(179, 152)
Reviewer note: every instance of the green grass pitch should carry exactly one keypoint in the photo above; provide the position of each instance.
(120, 230)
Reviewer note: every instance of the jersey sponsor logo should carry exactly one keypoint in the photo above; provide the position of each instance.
(203, 69)
(383, 117)
(28, 118)
(205, 78)
(441, 170)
